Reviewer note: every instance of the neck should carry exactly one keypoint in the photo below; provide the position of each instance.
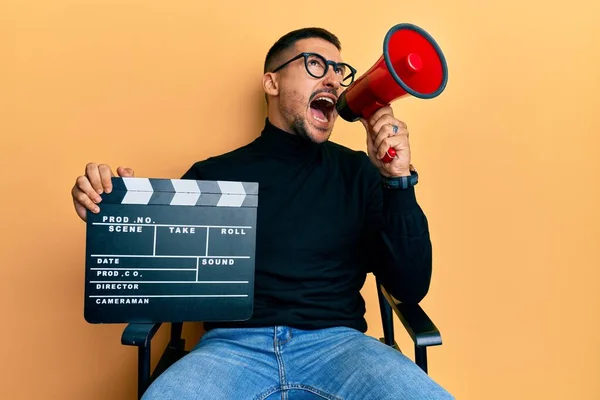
(277, 120)
(281, 143)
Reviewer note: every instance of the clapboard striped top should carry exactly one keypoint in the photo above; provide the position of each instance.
(182, 192)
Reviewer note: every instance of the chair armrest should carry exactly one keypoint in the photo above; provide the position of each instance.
(139, 334)
(416, 322)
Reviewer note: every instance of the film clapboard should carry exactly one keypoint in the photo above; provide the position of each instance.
(171, 250)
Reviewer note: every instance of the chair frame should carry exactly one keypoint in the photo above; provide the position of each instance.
(417, 323)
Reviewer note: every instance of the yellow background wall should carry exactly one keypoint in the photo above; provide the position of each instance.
(507, 157)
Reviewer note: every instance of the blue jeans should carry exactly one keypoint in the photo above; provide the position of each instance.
(289, 364)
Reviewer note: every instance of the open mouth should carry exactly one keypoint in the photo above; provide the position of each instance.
(321, 108)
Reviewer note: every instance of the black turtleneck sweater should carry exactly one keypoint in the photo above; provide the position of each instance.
(324, 221)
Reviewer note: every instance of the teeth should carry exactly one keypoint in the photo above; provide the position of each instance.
(330, 101)
(326, 99)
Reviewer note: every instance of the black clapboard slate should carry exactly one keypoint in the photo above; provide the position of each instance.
(175, 250)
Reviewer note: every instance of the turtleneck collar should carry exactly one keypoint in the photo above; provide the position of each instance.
(285, 144)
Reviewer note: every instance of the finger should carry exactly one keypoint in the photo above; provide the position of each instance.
(389, 131)
(388, 120)
(105, 177)
(377, 115)
(125, 172)
(384, 132)
(83, 185)
(80, 197)
(99, 177)
(383, 149)
(93, 175)
(399, 143)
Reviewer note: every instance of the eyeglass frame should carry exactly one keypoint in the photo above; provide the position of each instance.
(334, 64)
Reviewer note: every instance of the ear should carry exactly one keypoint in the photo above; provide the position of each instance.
(270, 84)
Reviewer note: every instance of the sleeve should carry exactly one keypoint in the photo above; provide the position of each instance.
(399, 247)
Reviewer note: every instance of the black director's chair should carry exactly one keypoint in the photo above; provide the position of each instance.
(418, 325)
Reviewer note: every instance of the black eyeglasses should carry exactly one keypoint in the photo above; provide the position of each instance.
(317, 66)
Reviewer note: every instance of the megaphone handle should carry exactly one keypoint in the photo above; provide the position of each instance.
(389, 155)
(367, 113)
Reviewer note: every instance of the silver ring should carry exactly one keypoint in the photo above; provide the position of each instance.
(395, 129)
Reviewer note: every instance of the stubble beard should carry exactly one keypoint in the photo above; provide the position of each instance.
(298, 122)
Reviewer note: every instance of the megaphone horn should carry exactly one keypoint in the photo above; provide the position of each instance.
(411, 63)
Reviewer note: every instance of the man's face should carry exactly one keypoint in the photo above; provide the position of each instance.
(306, 103)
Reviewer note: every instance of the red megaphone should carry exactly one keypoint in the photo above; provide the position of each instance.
(411, 63)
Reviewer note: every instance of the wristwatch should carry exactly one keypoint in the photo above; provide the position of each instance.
(401, 182)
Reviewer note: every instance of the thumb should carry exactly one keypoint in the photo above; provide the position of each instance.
(125, 172)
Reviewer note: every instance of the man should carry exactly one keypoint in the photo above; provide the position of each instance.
(327, 216)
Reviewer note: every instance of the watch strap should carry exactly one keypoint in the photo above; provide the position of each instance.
(400, 182)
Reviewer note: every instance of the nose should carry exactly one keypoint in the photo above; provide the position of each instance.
(332, 80)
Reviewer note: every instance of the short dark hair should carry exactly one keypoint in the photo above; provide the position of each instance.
(290, 38)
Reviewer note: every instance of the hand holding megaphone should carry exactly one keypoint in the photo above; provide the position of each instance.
(411, 63)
